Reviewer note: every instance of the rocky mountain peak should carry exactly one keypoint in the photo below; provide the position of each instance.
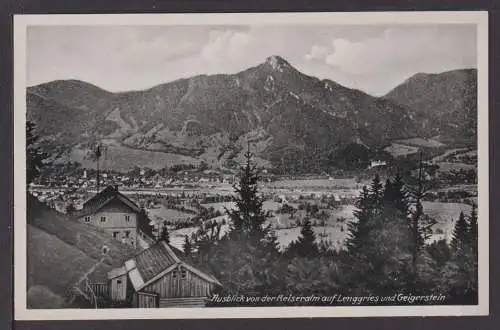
(278, 63)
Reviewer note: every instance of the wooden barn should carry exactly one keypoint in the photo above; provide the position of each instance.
(157, 277)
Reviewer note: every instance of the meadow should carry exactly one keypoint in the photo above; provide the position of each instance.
(161, 212)
(334, 229)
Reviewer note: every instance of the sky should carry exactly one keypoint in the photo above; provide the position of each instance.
(373, 59)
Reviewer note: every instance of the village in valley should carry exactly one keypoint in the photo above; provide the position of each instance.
(180, 200)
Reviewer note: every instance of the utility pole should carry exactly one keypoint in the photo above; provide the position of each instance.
(248, 147)
(99, 151)
(418, 193)
(98, 154)
(416, 218)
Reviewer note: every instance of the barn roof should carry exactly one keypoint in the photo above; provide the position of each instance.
(104, 197)
(116, 272)
(156, 261)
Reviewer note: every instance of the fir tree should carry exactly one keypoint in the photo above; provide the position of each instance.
(378, 242)
(376, 193)
(143, 223)
(439, 251)
(164, 235)
(249, 216)
(459, 276)
(473, 231)
(187, 246)
(387, 195)
(205, 240)
(306, 245)
(460, 234)
(357, 230)
(420, 225)
(34, 156)
(249, 253)
(396, 197)
(271, 242)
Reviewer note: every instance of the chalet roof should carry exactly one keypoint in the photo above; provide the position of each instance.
(104, 197)
(154, 262)
(116, 272)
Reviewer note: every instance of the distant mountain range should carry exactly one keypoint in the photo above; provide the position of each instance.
(284, 113)
(448, 100)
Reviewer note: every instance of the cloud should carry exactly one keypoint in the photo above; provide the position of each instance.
(423, 48)
(317, 53)
(225, 45)
(371, 58)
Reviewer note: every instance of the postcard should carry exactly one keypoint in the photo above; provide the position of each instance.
(255, 165)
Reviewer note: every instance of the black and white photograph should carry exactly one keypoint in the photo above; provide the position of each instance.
(251, 165)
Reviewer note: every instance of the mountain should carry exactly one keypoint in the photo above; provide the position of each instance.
(283, 112)
(60, 250)
(448, 100)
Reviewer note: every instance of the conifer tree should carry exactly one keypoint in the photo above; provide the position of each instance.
(357, 230)
(305, 245)
(419, 224)
(473, 231)
(35, 157)
(459, 276)
(164, 235)
(378, 243)
(249, 216)
(187, 246)
(271, 243)
(460, 234)
(143, 223)
(397, 195)
(387, 195)
(249, 252)
(376, 193)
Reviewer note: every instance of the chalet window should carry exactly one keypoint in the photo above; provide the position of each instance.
(118, 281)
(183, 273)
(127, 218)
(115, 234)
(174, 273)
(87, 219)
(127, 234)
(103, 219)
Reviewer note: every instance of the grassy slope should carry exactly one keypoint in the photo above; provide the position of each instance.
(55, 264)
(61, 249)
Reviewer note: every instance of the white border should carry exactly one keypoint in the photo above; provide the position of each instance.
(479, 18)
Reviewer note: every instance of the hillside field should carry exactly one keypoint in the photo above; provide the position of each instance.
(60, 250)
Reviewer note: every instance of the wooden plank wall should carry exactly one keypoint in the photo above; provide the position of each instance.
(147, 300)
(170, 287)
(118, 291)
(182, 302)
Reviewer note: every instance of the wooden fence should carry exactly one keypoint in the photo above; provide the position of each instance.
(99, 289)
